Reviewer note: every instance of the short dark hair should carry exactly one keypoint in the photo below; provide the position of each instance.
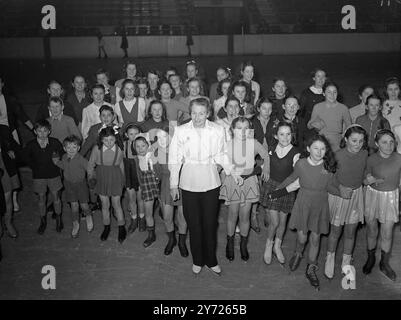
(316, 70)
(125, 82)
(242, 83)
(98, 86)
(102, 71)
(42, 124)
(126, 64)
(171, 68)
(105, 107)
(330, 84)
(282, 124)
(165, 81)
(164, 114)
(132, 125)
(261, 101)
(374, 96)
(72, 139)
(231, 98)
(56, 100)
(141, 138)
(78, 76)
(363, 87)
(245, 64)
(392, 80)
(109, 131)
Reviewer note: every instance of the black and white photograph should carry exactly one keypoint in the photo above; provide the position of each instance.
(200, 157)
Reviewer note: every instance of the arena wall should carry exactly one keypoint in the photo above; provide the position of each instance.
(146, 46)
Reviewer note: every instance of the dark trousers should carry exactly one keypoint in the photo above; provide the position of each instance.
(200, 212)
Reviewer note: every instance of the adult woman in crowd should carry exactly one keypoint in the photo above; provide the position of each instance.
(198, 146)
(221, 74)
(79, 98)
(11, 112)
(130, 71)
(330, 116)
(175, 109)
(311, 96)
(103, 78)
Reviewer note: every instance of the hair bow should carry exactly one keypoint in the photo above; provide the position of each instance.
(116, 128)
(102, 127)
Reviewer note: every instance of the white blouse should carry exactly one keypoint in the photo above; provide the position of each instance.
(392, 112)
(90, 117)
(198, 151)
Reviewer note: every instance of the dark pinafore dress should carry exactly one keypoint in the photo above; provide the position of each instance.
(110, 179)
(129, 117)
(131, 175)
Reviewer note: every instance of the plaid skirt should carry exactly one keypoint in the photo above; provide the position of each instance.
(283, 204)
(149, 185)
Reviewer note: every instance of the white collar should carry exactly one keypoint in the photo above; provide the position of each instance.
(314, 164)
(112, 149)
(316, 90)
(282, 151)
(207, 125)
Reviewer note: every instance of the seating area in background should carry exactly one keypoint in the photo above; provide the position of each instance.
(84, 17)
(22, 18)
(294, 16)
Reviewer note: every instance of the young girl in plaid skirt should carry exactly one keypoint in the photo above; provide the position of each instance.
(282, 160)
(149, 184)
(135, 203)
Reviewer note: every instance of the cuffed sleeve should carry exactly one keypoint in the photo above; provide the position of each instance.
(175, 158)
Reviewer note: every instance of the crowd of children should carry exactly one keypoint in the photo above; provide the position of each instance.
(108, 149)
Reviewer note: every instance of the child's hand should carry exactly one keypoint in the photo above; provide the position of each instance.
(11, 154)
(372, 180)
(175, 194)
(56, 161)
(345, 192)
(318, 124)
(265, 175)
(278, 193)
(149, 161)
(238, 179)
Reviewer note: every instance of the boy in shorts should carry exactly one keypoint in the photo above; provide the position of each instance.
(46, 175)
(74, 166)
